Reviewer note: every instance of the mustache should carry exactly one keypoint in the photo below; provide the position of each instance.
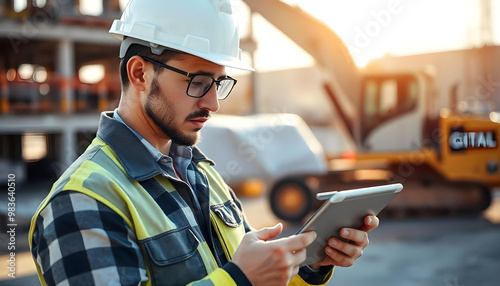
(199, 113)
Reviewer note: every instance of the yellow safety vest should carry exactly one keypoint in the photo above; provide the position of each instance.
(172, 252)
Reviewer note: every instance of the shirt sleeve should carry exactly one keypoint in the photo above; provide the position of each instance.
(316, 277)
(80, 241)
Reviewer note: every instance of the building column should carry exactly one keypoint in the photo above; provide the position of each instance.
(65, 68)
(4, 92)
(68, 151)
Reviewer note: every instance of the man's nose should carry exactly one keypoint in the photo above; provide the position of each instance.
(209, 101)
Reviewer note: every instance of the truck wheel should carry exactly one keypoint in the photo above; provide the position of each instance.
(291, 200)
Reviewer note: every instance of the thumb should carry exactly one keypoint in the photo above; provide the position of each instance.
(269, 232)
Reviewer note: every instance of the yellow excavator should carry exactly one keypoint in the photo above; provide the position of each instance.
(447, 161)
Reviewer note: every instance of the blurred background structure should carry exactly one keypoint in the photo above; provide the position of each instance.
(381, 91)
(58, 69)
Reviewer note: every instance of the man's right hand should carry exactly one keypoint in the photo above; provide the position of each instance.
(271, 262)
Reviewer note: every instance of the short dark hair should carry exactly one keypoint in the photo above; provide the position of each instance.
(143, 51)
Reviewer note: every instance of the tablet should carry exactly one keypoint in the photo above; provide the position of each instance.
(344, 209)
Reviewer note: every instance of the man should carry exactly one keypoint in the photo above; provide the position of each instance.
(142, 205)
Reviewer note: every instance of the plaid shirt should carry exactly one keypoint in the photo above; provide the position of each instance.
(80, 241)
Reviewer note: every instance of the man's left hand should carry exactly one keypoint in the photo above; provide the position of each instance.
(341, 253)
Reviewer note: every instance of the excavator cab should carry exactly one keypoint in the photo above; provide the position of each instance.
(389, 104)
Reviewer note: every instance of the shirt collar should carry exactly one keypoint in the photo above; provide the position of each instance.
(156, 154)
(136, 159)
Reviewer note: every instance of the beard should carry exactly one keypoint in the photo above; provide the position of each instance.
(161, 110)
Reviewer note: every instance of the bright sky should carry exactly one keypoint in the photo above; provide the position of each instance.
(373, 28)
(370, 28)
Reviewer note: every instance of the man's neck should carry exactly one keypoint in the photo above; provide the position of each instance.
(143, 125)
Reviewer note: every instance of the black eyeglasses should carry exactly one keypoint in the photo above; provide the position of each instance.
(200, 84)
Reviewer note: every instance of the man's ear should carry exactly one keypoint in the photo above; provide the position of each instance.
(136, 72)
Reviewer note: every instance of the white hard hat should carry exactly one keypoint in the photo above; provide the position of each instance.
(203, 28)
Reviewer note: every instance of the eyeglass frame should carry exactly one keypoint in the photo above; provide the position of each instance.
(193, 75)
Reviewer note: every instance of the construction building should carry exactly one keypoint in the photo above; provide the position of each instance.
(58, 70)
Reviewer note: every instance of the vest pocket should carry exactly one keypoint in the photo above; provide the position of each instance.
(228, 224)
(173, 257)
(228, 213)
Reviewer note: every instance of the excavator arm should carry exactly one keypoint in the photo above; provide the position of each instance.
(343, 78)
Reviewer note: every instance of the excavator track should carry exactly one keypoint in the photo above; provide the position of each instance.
(437, 196)
(425, 193)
